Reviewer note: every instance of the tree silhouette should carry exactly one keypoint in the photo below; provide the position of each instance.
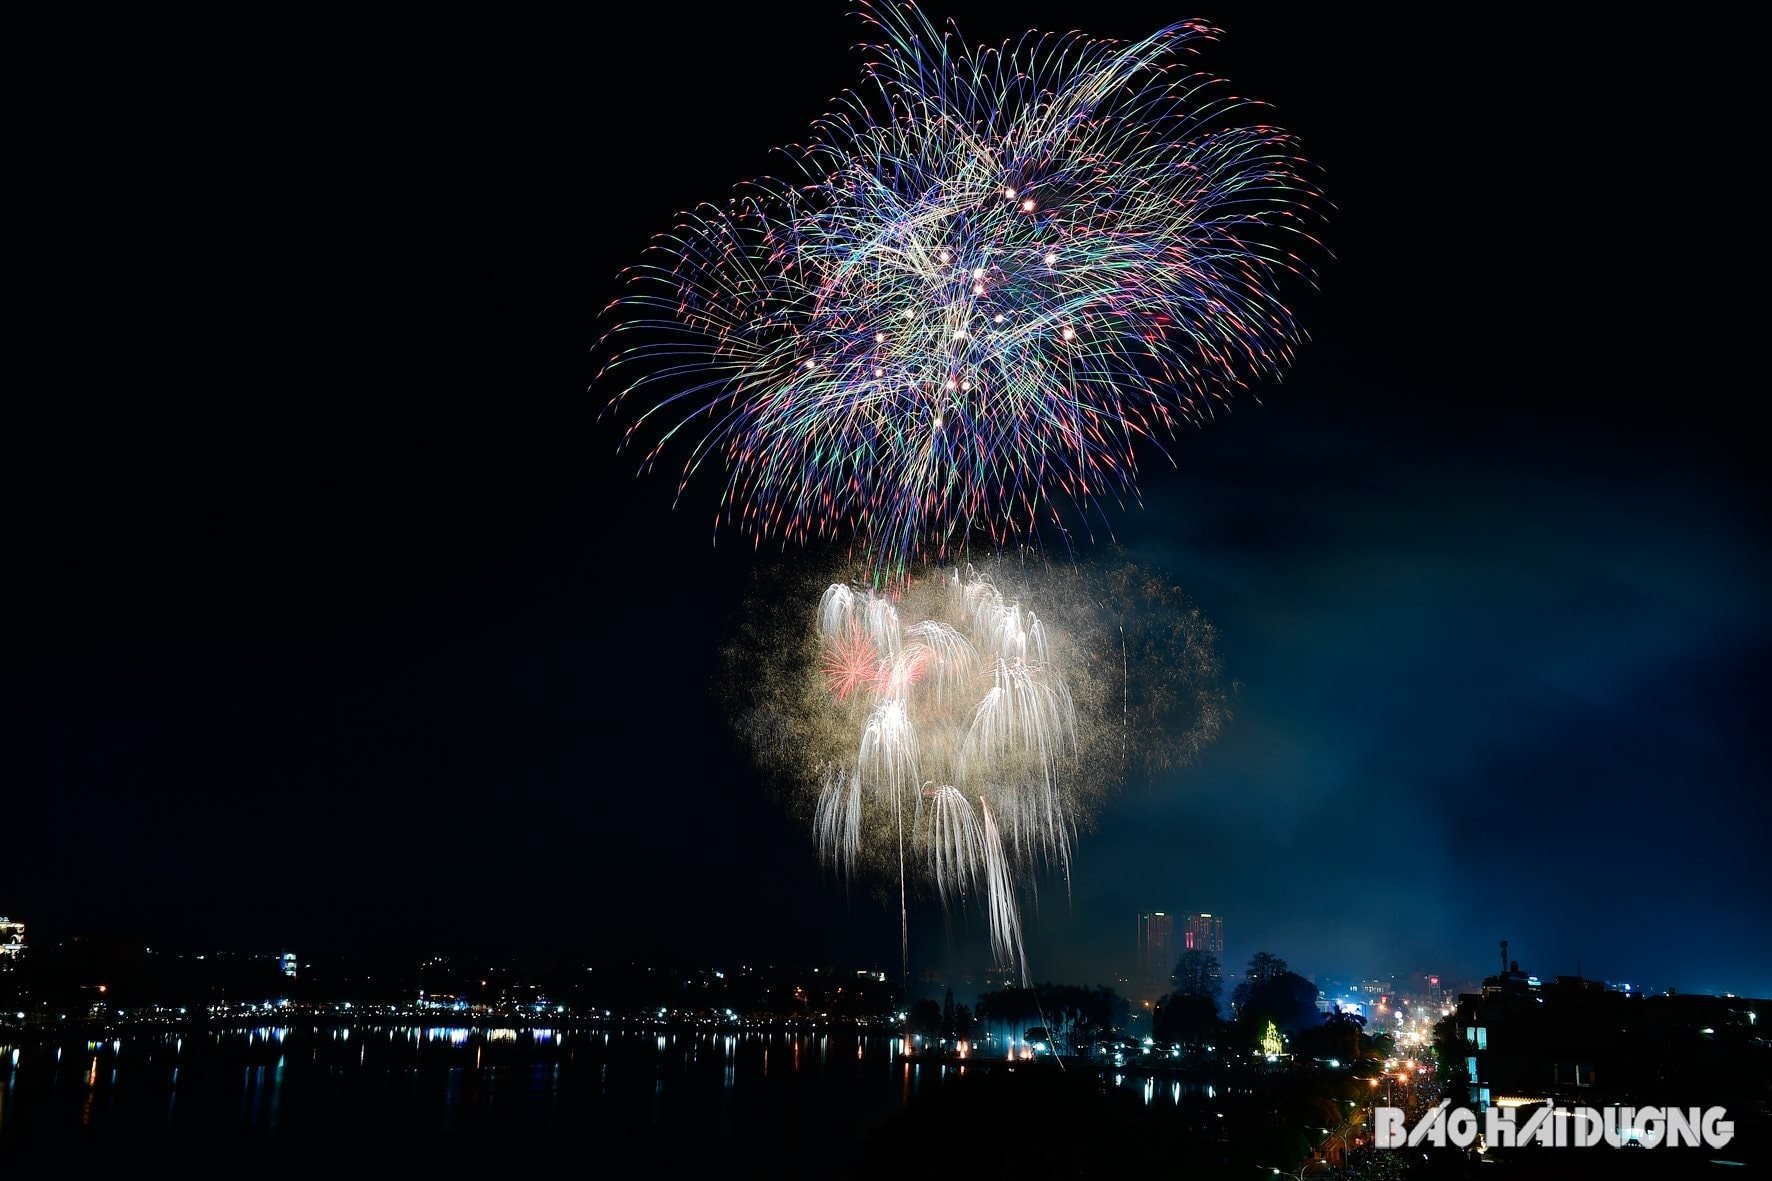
(1197, 975)
(925, 1018)
(1263, 967)
(1073, 1015)
(1190, 1020)
(1288, 1000)
(1339, 1036)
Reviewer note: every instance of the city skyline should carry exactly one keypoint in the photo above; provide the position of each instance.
(1143, 972)
(1373, 990)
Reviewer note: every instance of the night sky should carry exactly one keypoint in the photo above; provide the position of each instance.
(334, 621)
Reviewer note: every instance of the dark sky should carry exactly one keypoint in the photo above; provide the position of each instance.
(334, 621)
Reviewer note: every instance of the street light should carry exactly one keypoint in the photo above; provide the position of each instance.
(1297, 1174)
(1338, 1134)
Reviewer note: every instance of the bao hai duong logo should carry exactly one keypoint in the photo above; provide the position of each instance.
(1555, 1127)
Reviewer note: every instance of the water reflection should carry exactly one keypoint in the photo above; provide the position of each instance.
(266, 1081)
(1158, 1089)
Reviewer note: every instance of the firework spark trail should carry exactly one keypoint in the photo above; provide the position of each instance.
(837, 824)
(964, 708)
(987, 276)
(955, 843)
(954, 732)
(1005, 916)
(935, 720)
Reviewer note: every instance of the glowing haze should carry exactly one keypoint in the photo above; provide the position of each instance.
(955, 733)
(986, 276)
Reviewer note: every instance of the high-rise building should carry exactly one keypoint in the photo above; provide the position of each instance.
(1204, 932)
(1156, 953)
(12, 940)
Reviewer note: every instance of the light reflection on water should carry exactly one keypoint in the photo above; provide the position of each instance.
(1164, 1090)
(279, 1080)
(693, 1086)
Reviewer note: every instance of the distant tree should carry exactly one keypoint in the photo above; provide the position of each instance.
(1188, 1020)
(1009, 1010)
(1337, 1036)
(925, 1018)
(1197, 975)
(1263, 966)
(1074, 1016)
(1071, 1014)
(963, 1022)
(1060, 1008)
(1288, 999)
(1449, 1054)
(1344, 1030)
(947, 1014)
(1116, 1007)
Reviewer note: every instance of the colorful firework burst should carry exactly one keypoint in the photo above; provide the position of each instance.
(992, 275)
(957, 731)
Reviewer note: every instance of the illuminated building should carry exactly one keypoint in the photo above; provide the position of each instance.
(1378, 996)
(12, 940)
(1205, 932)
(1156, 953)
(1523, 1042)
(286, 962)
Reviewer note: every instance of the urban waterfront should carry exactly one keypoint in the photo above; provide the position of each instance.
(681, 1093)
(675, 1088)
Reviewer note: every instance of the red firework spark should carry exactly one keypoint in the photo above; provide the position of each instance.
(850, 663)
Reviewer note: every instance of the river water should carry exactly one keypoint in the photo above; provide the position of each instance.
(807, 1098)
(805, 1103)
